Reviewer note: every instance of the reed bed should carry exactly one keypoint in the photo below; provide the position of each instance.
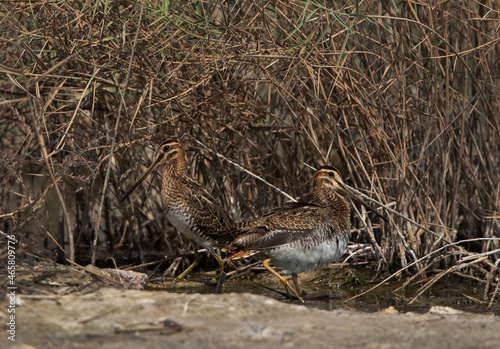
(402, 97)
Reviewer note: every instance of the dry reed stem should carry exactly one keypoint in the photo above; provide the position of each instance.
(238, 166)
(410, 265)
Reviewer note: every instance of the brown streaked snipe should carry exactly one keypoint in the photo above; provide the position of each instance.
(188, 206)
(300, 237)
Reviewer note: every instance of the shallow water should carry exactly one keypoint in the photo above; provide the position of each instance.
(329, 290)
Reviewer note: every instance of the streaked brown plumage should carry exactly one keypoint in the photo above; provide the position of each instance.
(300, 237)
(188, 206)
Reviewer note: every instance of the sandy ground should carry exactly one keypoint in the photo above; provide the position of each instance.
(114, 318)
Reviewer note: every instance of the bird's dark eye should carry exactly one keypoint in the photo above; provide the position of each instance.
(330, 174)
(165, 148)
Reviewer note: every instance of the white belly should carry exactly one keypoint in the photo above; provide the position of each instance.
(298, 260)
(182, 225)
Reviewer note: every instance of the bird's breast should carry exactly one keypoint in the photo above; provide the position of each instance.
(187, 228)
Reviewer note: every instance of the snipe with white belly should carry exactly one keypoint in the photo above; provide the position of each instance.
(300, 237)
(188, 206)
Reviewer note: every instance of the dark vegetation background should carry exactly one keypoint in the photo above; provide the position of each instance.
(402, 97)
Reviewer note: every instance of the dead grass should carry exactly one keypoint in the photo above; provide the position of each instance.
(403, 98)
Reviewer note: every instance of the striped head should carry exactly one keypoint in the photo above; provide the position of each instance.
(328, 177)
(329, 188)
(171, 154)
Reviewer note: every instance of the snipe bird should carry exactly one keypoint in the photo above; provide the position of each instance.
(188, 206)
(300, 237)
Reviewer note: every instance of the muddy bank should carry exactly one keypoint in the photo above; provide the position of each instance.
(114, 318)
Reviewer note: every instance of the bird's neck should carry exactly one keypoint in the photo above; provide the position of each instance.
(330, 198)
(175, 167)
(172, 182)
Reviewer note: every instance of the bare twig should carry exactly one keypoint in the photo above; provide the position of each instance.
(414, 263)
(244, 170)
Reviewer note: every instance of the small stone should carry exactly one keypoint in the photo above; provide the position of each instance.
(389, 310)
(128, 278)
(438, 309)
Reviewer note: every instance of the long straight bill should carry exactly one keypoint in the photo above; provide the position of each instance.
(353, 194)
(141, 178)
